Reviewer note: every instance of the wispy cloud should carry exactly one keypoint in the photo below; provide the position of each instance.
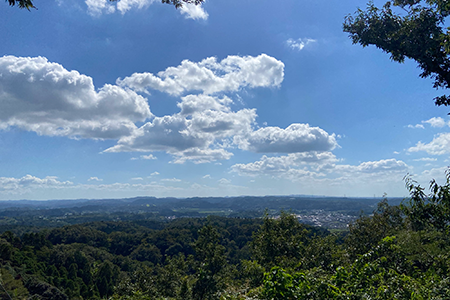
(171, 180)
(427, 159)
(144, 157)
(95, 179)
(299, 44)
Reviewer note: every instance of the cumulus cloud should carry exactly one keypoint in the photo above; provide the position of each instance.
(194, 134)
(199, 156)
(192, 11)
(168, 133)
(44, 97)
(280, 165)
(210, 76)
(40, 96)
(299, 44)
(436, 122)
(295, 138)
(438, 146)
(98, 7)
(125, 5)
(439, 174)
(192, 104)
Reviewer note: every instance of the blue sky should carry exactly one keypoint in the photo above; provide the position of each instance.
(137, 98)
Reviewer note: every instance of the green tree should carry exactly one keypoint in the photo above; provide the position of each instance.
(417, 32)
(11, 287)
(367, 231)
(433, 210)
(106, 278)
(279, 240)
(210, 274)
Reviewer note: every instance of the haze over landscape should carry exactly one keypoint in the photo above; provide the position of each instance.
(136, 98)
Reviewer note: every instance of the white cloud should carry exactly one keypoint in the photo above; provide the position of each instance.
(192, 11)
(224, 181)
(280, 165)
(299, 44)
(319, 168)
(98, 7)
(153, 187)
(374, 167)
(438, 146)
(43, 97)
(154, 174)
(199, 156)
(435, 173)
(95, 179)
(10, 184)
(207, 176)
(295, 138)
(125, 5)
(39, 96)
(168, 133)
(145, 157)
(195, 134)
(171, 180)
(427, 159)
(416, 126)
(192, 104)
(210, 76)
(436, 122)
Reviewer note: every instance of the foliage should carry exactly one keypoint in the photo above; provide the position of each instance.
(212, 264)
(432, 210)
(279, 240)
(22, 3)
(417, 33)
(11, 287)
(367, 231)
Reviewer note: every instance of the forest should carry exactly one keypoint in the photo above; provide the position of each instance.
(398, 252)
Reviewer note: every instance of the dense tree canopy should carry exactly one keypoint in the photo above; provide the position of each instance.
(408, 29)
(29, 4)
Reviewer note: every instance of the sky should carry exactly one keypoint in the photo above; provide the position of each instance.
(130, 98)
